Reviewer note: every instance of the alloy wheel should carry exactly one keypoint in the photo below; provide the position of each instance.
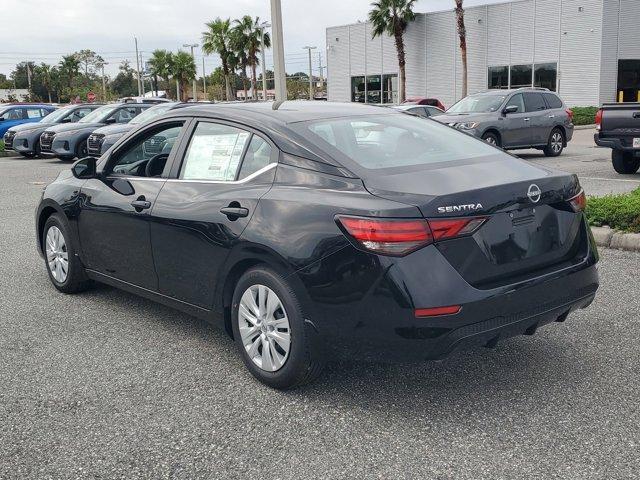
(556, 142)
(57, 255)
(264, 328)
(491, 141)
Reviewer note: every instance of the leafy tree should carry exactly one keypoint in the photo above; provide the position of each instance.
(161, 63)
(183, 70)
(125, 83)
(88, 60)
(462, 35)
(392, 17)
(217, 39)
(5, 82)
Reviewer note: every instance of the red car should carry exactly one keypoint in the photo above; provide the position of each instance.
(434, 102)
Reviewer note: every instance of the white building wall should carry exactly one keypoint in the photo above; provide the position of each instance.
(338, 72)
(415, 46)
(522, 23)
(629, 29)
(441, 60)
(547, 31)
(609, 52)
(477, 32)
(499, 34)
(357, 52)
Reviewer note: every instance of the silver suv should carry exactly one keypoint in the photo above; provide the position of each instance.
(514, 119)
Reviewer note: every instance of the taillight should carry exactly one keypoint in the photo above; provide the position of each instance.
(570, 113)
(579, 202)
(599, 119)
(400, 237)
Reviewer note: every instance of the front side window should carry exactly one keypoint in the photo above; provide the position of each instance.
(499, 77)
(156, 143)
(521, 76)
(517, 101)
(391, 141)
(13, 114)
(214, 152)
(545, 75)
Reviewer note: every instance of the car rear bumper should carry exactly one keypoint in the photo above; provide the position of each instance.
(378, 322)
(613, 143)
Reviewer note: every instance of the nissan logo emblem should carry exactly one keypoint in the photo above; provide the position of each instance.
(534, 193)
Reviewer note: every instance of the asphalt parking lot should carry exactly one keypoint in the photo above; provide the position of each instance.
(108, 385)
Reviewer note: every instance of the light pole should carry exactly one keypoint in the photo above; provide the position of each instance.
(204, 80)
(279, 72)
(142, 77)
(310, 72)
(192, 46)
(138, 68)
(262, 26)
(104, 85)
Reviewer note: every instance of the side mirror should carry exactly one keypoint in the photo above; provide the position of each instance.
(109, 121)
(85, 168)
(1, 119)
(510, 109)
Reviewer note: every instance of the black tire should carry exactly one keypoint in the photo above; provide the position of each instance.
(624, 163)
(555, 143)
(81, 150)
(76, 279)
(305, 361)
(492, 139)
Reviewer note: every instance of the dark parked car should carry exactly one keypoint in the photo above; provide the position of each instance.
(515, 119)
(103, 138)
(12, 115)
(420, 110)
(69, 141)
(618, 128)
(321, 228)
(25, 138)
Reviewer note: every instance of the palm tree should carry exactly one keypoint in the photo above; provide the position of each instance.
(240, 61)
(44, 72)
(462, 34)
(70, 68)
(161, 63)
(183, 70)
(392, 17)
(248, 36)
(217, 39)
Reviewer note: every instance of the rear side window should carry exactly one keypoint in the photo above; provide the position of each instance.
(552, 100)
(214, 152)
(534, 102)
(390, 141)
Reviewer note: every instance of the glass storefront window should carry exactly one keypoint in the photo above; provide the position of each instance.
(498, 77)
(373, 89)
(390, 88)
(545, 75)
(357, 89)
(521, 76)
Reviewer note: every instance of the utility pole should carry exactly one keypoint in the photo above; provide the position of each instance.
(263, 25)
(310, 72)
(29, 78)
(104, 85)
(142, 78)
(204, 80)
(279, 72)
(321, 68)
(138, 68)
(192, 46)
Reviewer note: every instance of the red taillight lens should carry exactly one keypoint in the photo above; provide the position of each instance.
(570, 113)
(403, 236)
(599, 119)
(437, 311)
(579, 202)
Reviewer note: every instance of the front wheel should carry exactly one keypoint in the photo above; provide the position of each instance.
(624, 163)
(555, 143)
(492, 139)
(81, 150)
(270, 332)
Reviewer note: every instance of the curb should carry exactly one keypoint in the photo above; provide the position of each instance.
(585, 127)
(605, 237)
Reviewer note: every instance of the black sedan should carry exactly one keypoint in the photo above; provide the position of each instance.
(318, 229)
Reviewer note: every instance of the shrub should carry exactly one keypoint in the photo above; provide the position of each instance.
(1, 145)
(621, 212)
(584, 115)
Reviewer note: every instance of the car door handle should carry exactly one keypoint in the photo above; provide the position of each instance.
(552, 116)
(141, 204)
(234, 212)
(527, 119)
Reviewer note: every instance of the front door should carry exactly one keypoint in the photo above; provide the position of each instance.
(201, 212)
(115, 209)
(515, 125)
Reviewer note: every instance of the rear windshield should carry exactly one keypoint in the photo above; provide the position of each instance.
(391, 141)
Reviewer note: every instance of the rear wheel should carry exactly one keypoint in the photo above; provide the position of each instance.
(624, 162)
(270, 332)
(492, 139)
(555, 144)
(65, 270)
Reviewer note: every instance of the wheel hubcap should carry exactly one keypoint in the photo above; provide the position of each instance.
(491, 140)
(264, 328)
(556, 142)
(57, 255)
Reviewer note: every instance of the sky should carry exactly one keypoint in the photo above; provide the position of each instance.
(53, 28)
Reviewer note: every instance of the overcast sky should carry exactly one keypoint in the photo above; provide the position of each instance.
(50, 28)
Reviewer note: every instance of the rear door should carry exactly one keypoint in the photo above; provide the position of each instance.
(540, 124)
(217, 180)
(116, 209)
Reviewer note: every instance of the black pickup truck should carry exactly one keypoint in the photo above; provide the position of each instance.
(618, 127)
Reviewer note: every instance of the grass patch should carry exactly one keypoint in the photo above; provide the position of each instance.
(1, 145)
(584, 115)
(620, 212)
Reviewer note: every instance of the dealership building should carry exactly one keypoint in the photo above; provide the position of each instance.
(586, 50)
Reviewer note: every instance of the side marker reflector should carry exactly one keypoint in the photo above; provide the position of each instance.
(437, 311)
